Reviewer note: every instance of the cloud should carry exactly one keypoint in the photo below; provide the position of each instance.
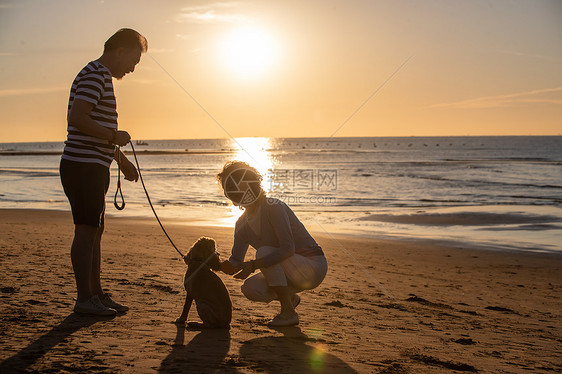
(161, 50)
(216, 5)
(531, 55)
(30, 91)
(211, 13)
(145, 81)
(10, 6)
(184, 36)
(542, 96)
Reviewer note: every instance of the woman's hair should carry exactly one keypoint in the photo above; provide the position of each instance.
(126, 38)
(235, 172)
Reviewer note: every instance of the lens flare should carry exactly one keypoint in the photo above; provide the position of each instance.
(317, 357)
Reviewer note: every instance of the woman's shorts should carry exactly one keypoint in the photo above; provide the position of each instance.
(85, 185)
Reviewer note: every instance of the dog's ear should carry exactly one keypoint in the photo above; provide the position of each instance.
(215, 262)
(187, 257)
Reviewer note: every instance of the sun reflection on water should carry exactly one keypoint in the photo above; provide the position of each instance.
(254, 151)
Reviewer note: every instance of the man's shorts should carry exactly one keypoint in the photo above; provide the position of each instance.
(85, 185)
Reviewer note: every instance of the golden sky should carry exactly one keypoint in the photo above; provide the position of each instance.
(292, 68)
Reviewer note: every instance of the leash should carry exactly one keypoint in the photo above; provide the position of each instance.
(121, 207)
(119, 190)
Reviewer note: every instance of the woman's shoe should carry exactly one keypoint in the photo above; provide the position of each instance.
(281, 320)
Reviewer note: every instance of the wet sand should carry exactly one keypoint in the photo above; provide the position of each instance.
(385, 307)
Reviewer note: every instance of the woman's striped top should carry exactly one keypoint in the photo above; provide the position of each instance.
(93, 84)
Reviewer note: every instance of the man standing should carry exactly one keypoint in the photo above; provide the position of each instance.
(89, 150)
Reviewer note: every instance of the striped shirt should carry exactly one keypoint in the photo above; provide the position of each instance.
(93, 84)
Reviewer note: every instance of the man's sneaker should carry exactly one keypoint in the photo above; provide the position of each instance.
(296, 300)
(106, 300)
(283, 321)
(93, 307)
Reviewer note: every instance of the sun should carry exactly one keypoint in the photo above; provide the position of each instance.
(249, 51)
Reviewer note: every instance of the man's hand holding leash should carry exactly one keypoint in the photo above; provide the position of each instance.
(122, 138)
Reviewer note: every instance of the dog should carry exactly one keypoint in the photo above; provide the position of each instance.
(205, 287)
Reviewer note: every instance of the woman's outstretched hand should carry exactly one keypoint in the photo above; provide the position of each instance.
(246, 269)
(228, 268)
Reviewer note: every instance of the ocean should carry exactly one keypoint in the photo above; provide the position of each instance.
(480, 192)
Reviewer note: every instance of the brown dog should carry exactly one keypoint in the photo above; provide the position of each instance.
(205, 287)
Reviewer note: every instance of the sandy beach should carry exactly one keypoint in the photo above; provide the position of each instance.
(385, 307)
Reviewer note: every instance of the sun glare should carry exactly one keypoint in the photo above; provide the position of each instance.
(249, 51)
(255, 152)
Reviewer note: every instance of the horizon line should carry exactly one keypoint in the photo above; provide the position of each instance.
(314, 137)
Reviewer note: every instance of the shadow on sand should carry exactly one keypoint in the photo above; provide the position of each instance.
(294, 352)
(205, 353)
(21, 361)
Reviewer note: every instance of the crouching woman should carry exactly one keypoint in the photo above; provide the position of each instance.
(288, 259)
